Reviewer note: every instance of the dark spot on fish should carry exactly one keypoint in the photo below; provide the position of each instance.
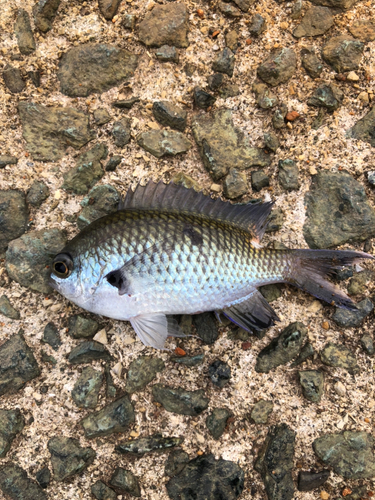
(116, 279)
(195, 237)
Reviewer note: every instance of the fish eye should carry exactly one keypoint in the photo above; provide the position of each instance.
(62, 265)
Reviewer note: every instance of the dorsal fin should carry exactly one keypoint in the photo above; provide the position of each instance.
(175, 198)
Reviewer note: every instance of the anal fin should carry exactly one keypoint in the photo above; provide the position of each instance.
(153, 329)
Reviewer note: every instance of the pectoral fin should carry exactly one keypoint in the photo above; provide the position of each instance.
(153, 329)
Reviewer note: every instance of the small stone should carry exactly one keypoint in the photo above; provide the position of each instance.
(176, 462)
(164, 142)
(229, 90)
(275, 221)
(180, 401)
(109, 8)
(343, 53)
(114, 417)
(88, 351)
(282, 349)
(34, 77)
(306, 352)
(24, 33)
(352, 77)
(203, 99)
(13, 79)
(288, 175)
(215, 81)
(296, 9)
(235, 184)
(189, 361)
(326, 96)
(111, 389)
(244, 5)
(364, 29)
(101, 337)
(44, 14)
(316, 21)
(229, 10)
(121, 132)
(271, 141)
(367, 344)
(217, 421)
(188, 182)
(261, 411)
(347, 318)
(308, 481)
(265, 98)
(125, 103)
(363, 97)
(101, 200)
(259, 180)
(165, 25)
(205, 478)
(125, 481)
(166, 53)
(219, 373)
(258, 25)
(358, 283)
(224, 62)
(142, 371)
(51, 336)
(271, 292)
(349, 453)
(279, 67)
(11, 424)
(129, 21)
(85, 392)
(312, 382)
(43, 476)
(364, 128)
(87, 172)
(339, 356)
(37, 193)
(311, 62)
(68, 457)
(102, 492)
(170, 115)
(340, 389)
(16, 485)
(141, 446)
(113, 163)
(7, 160)
(7, 309)
(101, 116)
(231, 40)
(278, 119)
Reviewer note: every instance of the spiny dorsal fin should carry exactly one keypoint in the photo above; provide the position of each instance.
(175, 198)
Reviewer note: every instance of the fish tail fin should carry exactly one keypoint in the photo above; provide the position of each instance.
(310, 268)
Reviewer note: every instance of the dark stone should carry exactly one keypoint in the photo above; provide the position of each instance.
(88, 351)
(275, 462)
(44, 14)
(358, 283)
(259, 180)
(109, 8)
(24, 33)
(229, 90)
(94, 68)
(101, 116)
(343, 274)
(367, 344)
(169, 114)
(316, 21)
(13, 79)
(142, 371)
(217, 421)
(258, 25)
(306, 352)
(43, 476)
(85, 392)
(343, 53)
(215, 81)
(165, 25)
(205, 478)
(229, 10)
(326, 96)
(311, 62)
(49, 131)
(176, 462)
(7, 309)
(279, 67)
(347, 318)
(275, 220)
(110, 389)
(46, 358)
(121, 132)
(87, 172)
(308, 481)
(164, 142)
(336, 4)
(68, 457)
(37, 193)
(125, 481)
(141, 446)
(282, 349)
(28, 258)
(221, 145)
(337, 211)
(189, 361)
(17, 364)
(371, 178)
(219, 373)
(349, 453)
(51, 336)
(312, 382)
(235, 184)
(261, 411)
(180, 401)
(364, 29)
(206, 327)
(11, 424)
(339, 356)
(113, 163)
(231, 40)
(265, 98)
(271, 292)
(271, 141)
(102, 492)
(296, 10)
(244, 5)
(364, 129)
(202, 98)
(16, 485)
(224, 62)
(101, 200)
(288, 175)
(80, 327)
(190, 69)
(278, 119)
(129, 21)
(34, 77)
(125, 103)
(113, 418)
(7, 160)
(166, 53)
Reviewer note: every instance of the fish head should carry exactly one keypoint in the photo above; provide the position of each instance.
(66, 275)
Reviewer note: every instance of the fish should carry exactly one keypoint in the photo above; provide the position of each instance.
(169, 250)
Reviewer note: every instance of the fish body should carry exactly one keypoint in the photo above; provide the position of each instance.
(169, 250)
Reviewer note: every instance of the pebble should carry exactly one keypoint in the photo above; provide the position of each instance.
(219, 373)
(85, 392)
(308, 481)
(343, 53)
(80, 327)
(215, 81)
(101, 116)
(125, 481)
(121, 132)
(125, 103)
(88, 351)
(271, 292)
(87, 172)
(363, 128)
(24, 33)
(129, 21)
(170, 114)
(11, 423)
(339, 356)
(340, 389)
(51, 336)
(311, 62)
(16, 485)
(206, 327)
(44, 14)
(7, 160)
(217, 421)
(102, 492)
(278, 119)
(316, 21)
(13, 79)
(235, 184)
(259, 180)
(43, 476)
(202, 98)
(224, 62)
(244, 5)
(109, 8)
(189, 361)
(271, 141)
(68, 457)
(265, 98)
(142, 371)
(358, 283)
(363, 29)
(261, 411)
(180, 401)
(164, 142)
(113, 418)
(279, 67)
(229, 10)
(288, 175)
(175, 462)
(306, 352)
(367, 344)
(7, 309)
(188, 182)
(275, 220)
(141, 446)
(101, 337)
(167, 53)
(231, 40)
(347, 318)
(113, 163)
(101, 200)
(312, 383)
(110, 389)
(258, 25)
(37, 193)
(165, 25)
(326, 96)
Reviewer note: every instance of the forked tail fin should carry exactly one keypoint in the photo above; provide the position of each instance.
(310, 268)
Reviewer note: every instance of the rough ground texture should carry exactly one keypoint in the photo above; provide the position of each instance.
(68, 77)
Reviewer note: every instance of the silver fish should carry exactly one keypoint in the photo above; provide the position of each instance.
(170, 250)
